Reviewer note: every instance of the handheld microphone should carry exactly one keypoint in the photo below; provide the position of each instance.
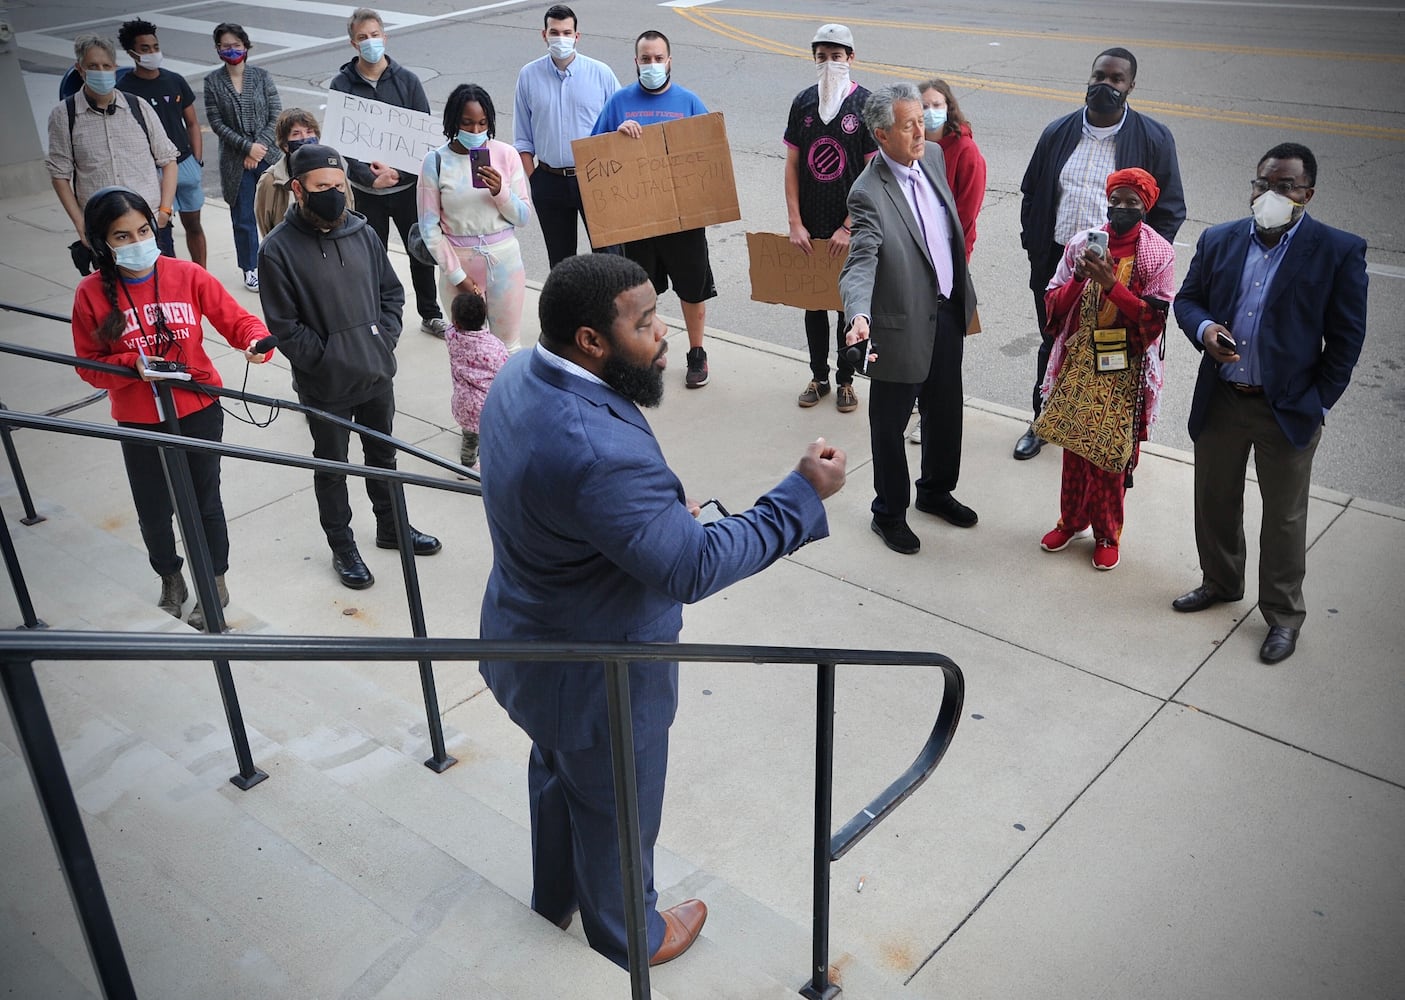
(265, 345)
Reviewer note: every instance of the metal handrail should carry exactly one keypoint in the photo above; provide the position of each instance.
(18, 651)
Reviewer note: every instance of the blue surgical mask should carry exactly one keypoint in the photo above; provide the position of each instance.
(371, 50)
(294, 144)
(136, 256)
(933, 118)
(101, 81)
(562, 47)
(472, 140)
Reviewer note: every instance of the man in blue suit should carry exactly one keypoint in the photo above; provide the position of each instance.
(594, 540)
(1277, 303)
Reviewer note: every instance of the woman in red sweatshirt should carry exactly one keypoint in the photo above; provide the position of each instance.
(140, 302)
(945, 125)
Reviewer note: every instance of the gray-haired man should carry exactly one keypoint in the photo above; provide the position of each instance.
(906, 287)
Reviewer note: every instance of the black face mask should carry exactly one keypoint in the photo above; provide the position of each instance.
(1124, 220)
(1104, 98)
(326, 206)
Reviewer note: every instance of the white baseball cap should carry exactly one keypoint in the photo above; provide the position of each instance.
(834, 34)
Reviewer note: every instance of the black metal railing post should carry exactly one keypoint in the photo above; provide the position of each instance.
(819, 987)
(65, 823)
(16, 571)
(439, 760)
(31, 516)
(627, 825)
(177, 465)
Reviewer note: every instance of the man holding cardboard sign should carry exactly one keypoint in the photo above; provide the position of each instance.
(682, 257)
(827, 146)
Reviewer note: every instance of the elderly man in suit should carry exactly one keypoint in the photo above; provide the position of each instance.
(1277, 303)
(908, 290)
(594, 540)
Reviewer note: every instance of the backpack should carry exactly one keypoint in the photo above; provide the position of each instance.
(133, 101)
(415, 244)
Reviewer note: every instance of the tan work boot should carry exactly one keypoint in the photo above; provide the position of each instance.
(173, 594)
(197, 616)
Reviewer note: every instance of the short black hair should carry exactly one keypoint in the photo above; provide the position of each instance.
(130, 31)
(230, 28)
(560, 12)
(462, 95)
(581, 291)
(1294, 151)
(649, 36)
(1117, 52)
(468, 311)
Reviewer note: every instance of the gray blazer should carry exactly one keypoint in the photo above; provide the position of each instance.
(889, 265)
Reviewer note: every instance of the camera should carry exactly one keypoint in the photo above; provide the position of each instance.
(162, 365)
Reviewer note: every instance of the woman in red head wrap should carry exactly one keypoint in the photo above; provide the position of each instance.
(1107, 312)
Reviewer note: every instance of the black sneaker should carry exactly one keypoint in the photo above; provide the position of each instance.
(697, 369)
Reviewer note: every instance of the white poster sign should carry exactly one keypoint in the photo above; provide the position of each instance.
(370, 131)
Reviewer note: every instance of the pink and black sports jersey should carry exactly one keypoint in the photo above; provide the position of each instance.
(831, 156)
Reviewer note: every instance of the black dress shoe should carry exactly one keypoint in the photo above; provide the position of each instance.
(897, 536)
(424, 545)
(1279, 645)
(351, 570)
(1200, 598)
(1028, 445)
(949, 509)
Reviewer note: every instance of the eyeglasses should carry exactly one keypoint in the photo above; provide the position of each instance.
(1284, 187)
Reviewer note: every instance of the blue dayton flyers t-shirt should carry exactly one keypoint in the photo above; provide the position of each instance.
(636, 103)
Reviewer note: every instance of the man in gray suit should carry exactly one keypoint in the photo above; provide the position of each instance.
(908, 290)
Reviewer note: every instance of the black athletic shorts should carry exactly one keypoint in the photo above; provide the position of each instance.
(681, 257)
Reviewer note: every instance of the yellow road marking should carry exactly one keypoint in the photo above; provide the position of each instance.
(708, 20)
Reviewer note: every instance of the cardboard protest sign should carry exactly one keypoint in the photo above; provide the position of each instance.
(676, 176)
(370, 130)
(782, 273)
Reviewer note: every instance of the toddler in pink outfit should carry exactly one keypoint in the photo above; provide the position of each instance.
(475, 356)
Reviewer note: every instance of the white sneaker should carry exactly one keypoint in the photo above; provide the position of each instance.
(251, 280)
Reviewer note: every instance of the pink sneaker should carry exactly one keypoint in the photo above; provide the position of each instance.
(1058, 539)
(1105, 554)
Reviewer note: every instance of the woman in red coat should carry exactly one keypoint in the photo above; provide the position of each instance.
(965, 166)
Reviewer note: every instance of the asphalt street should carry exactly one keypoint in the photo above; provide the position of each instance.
(1230, 78)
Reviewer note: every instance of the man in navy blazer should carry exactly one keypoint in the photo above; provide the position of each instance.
(1277, 303)
(594, 540)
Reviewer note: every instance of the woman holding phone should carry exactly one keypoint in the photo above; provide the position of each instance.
(472, 196)
(1107, 306)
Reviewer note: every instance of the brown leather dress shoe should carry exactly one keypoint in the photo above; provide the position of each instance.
(683, 923)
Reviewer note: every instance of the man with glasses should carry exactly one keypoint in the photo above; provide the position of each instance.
(1064, 188)
(1277, 305)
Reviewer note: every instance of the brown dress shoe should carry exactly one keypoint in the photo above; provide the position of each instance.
(682, 925)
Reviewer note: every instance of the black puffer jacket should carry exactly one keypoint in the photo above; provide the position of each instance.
(334, 303)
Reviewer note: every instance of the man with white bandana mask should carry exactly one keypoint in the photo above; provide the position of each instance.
(1277, 303)
(827, 145)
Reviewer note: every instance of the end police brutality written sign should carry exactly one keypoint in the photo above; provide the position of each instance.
(369, 131)
(677, 176)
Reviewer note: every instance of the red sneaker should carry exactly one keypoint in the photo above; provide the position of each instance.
(1058, 539)
(1105, 554)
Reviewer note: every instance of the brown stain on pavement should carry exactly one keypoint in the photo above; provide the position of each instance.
(897, 956)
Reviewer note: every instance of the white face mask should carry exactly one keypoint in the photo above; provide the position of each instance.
(834, 87)
(149, 60)
(1273, 211)
(562, 47)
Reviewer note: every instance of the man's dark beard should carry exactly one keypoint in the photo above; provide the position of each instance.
(317, 222)
(643, 385)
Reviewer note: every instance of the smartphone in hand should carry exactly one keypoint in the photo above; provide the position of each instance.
(477, 159)
(1097, 239)
(1226, 342)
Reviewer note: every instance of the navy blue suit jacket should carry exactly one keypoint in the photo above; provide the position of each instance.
(1313, 323)
(593, 541)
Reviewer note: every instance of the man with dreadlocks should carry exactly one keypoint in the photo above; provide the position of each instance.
(139, 306)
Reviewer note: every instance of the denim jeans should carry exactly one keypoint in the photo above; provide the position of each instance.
(241, 214)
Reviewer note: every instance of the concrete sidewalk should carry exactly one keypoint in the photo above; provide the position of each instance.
(1134, 805)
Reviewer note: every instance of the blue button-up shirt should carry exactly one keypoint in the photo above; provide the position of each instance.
(554, 106)
(1260, 268)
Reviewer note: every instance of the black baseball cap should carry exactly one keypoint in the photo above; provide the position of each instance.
(308, 158)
